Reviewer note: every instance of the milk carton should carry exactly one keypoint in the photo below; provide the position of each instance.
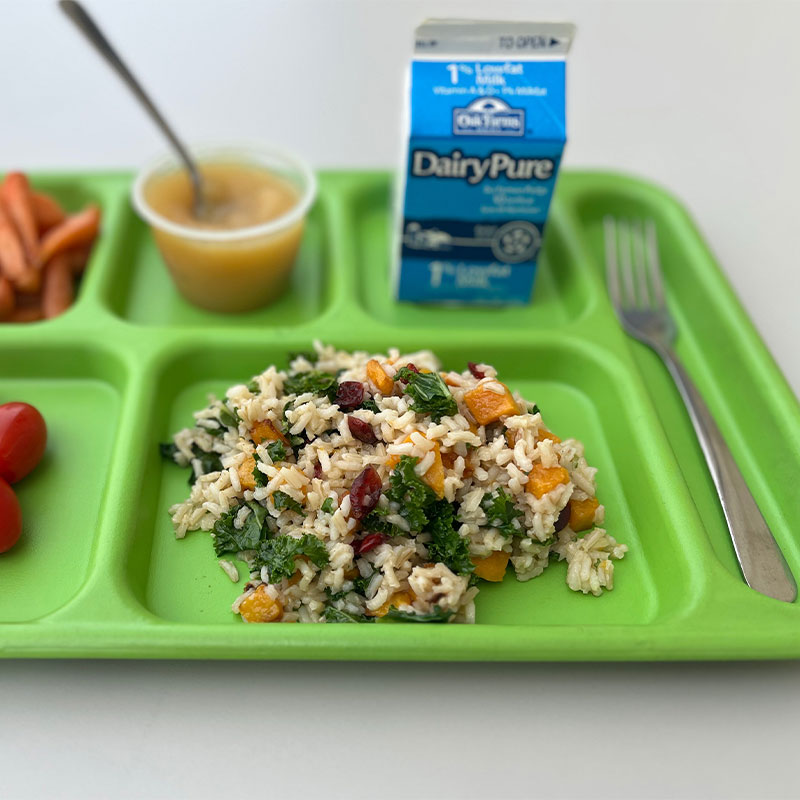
(486, 130)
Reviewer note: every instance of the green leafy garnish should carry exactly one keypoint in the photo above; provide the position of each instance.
(327, 506)
(429, 393)
(168, 451)
(437, 615)
(534, 409)
(335, 615)
(361, 582)
(258, 476)
(314, 381)
(446, 544)
(276, 451)
(253, 387)
(227, 539)
(370, 405)
(230, 419)
(294, 441)
(501, 512)
(283, 500)
(278, 554)
(411, 492)
(209, 462)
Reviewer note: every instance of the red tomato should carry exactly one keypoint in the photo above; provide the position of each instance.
(10, 517)
(23, 436)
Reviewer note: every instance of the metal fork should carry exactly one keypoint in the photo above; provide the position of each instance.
(634, 281)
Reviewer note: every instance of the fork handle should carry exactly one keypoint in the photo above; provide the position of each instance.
(762, 563)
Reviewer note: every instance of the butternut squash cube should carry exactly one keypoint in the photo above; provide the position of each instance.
(545, 434)
(581, 513)
(245, 470)
(493, 567)
(266, 431)
(488, 406)
(260, 607)
(383, 383)
(434, 476)
(544, 479)
(404, 598)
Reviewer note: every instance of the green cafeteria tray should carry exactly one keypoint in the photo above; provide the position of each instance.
(98, 571)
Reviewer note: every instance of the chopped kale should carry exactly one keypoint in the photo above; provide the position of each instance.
(314, 381)
(227, 539)
(168, 450)
(411, 492)
(254, 387)
(335, 615)
(361, 582)
(230, 419)
(429, 393)
(217, 429)
(370, 405)
(209, 462)
(327, 506)
(278, 554)
(374, 521)
(295, 442)
(437, 615)
(283, 500)
(447, 545)
(501, 512)
(276, 451)
(534, 409)
(258, 476)
(334, 596)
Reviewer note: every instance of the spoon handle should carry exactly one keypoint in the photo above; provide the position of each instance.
(77, 14)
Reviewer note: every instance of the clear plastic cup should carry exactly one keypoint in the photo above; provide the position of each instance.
(238, 269)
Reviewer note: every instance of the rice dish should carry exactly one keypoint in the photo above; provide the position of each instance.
(356, 486)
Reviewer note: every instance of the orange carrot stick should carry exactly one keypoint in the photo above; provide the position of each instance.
(31, 314)
(16, 197)
(47, 211)
(57, 289)
(7, 301)
(78, 257)
(73, 231)
(12, 256)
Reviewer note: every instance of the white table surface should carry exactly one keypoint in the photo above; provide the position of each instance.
(701, 97)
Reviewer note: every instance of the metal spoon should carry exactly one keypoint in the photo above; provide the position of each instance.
(87, 26)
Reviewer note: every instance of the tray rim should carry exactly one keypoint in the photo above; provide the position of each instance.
(666, 643)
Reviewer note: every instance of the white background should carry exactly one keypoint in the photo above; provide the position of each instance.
(701, 97)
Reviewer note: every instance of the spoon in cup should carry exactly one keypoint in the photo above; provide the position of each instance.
(79, 16)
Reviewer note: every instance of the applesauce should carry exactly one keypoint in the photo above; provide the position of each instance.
(239, 256)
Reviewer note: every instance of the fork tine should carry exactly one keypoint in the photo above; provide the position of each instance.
(626, 268)
(653, 263)
(612, 268)
(639, 266)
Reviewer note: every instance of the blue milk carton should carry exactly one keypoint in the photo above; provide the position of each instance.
(486, 130)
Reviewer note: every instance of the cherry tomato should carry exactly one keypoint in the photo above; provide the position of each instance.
(23, 435)
(10, 517)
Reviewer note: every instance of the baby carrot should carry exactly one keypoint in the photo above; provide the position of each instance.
(47, 211)
(7, 301)
(75, 230)
(12, 256)
(16, 198)
(57, 289)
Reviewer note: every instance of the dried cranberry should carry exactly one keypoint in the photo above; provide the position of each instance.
(365, 493)
(362, 430)
(349, 394)
(369, 542)
(317, 470)
(476, 373)
(563, 519)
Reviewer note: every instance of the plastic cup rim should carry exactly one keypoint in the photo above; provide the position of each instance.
(207, 152)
